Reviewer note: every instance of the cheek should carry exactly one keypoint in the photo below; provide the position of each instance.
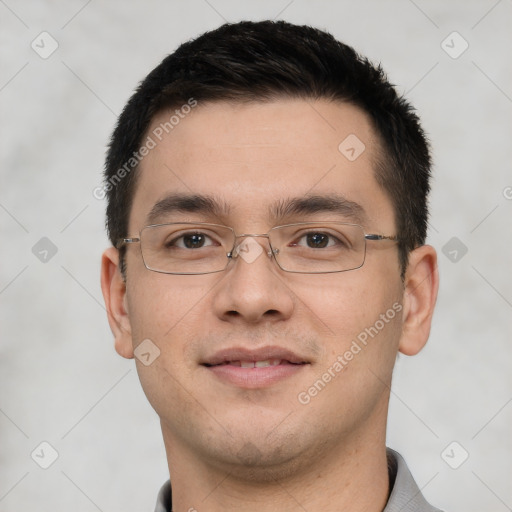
(163, 306)
(360, 316)
(362, 319)
(345, 304)
(167, 311)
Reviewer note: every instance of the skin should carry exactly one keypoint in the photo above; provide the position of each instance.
(231, 448)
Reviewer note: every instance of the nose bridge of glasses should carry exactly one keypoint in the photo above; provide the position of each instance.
(241, 239)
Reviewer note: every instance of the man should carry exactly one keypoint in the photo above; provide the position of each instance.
(267, 206)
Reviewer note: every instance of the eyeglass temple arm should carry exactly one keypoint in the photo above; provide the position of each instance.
(381, 237)
(123, 241)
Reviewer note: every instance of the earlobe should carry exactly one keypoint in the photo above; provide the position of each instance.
(421, 287)
(114, 294)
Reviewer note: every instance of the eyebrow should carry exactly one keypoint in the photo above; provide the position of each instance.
(283, 209)
(190, 203)
(313, 204)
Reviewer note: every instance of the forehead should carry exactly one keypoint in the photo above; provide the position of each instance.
(253, 155)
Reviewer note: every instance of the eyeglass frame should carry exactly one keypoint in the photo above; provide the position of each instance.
(271, 253)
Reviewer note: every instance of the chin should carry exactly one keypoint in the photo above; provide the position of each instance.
(260, 465)
(259, 458)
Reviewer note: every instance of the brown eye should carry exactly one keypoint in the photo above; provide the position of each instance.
(317, 240)
(194, 241)
(190, 241)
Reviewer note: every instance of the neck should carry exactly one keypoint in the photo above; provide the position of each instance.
(354, 477)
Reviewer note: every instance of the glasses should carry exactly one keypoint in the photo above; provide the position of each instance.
(304, 248)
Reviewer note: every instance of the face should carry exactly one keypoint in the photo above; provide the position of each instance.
(330, 339)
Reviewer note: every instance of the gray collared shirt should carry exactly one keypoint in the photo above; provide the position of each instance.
(405, 495)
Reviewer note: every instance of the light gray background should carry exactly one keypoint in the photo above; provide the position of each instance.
(62, 382)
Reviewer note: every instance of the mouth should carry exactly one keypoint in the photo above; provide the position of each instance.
(254, 364)
(252, 369)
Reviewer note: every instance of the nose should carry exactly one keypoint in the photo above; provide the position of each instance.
(253, 290)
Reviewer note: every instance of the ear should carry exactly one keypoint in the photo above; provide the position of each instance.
(114, 294)
(421, 286)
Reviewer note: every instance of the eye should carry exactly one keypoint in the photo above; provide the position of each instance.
(191, 241)
(318, 240)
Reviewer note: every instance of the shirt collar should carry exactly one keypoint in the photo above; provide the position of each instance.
(405, 495)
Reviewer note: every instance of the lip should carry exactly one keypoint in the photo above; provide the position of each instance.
(255, 377)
